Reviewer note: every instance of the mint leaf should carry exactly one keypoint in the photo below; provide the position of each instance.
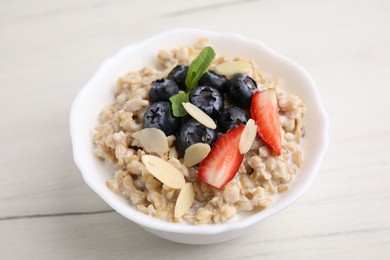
(198, 66)
(177, 108)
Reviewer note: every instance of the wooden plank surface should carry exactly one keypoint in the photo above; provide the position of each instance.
(49, 49)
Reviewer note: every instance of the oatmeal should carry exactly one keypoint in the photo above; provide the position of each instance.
(245, 151)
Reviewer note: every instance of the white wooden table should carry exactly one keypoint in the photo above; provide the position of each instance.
(49, 49)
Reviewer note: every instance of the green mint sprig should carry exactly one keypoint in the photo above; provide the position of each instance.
(176, 100)
(197, 68)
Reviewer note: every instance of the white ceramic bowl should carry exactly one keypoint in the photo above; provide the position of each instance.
(98, 93)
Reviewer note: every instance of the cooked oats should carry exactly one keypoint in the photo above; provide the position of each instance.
(260, 176)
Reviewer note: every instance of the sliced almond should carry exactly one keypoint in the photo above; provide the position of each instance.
(166, 72)
(185, 200)
(232, 67)
(248, 136)
(199, 115)
(195, 154)
(164, 171)
(153, 140)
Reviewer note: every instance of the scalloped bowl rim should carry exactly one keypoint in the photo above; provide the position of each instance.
(157, 224)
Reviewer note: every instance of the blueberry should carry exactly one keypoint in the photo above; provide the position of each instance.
(207, 99)
(159, 115)
(240, 89)
(212, 79)
(192, 132)
(231, 117)
(162, 90)
(178, 75)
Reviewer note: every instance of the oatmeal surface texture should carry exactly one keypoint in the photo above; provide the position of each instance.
(261, 175)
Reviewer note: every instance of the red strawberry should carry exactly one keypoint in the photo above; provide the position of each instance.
(264, 110)
(222, 163)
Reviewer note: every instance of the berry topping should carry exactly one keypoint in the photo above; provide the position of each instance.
(240, 89)
(192, 132)
(208, 99)
(162, 90)
(264, 110)
(212, 79)
(222, 163)
(231, 117)
(159, 115)
(178, 75)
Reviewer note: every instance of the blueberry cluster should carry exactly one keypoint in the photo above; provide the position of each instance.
(209, 96)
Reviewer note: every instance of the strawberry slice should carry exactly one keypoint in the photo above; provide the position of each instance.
(222, 163)
(264, 110)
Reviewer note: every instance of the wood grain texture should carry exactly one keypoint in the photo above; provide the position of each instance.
(49, 49)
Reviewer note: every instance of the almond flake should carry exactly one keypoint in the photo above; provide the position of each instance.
(164, 171)
(195, 154)
(185, 200)
(153, 140)
(232, 67)
(199, 115)
(248, 136)
(165, 73)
